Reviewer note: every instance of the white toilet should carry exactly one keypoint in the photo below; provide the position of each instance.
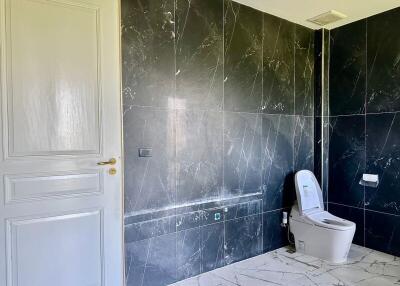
(317, 232)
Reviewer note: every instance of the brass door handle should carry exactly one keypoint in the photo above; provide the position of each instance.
(112, 161)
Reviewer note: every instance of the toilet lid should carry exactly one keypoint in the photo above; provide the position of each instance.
(308, 191)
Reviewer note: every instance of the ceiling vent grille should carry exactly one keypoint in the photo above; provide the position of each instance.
(327, 18)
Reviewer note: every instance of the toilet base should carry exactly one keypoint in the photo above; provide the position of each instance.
(327, 244)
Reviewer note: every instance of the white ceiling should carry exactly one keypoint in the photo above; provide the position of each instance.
(298, 11)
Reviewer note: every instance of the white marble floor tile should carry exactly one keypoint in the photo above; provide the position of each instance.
(365, 267)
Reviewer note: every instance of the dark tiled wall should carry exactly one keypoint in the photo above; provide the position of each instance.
(224, 96)
(364, 128)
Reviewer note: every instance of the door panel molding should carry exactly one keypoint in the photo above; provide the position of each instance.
(20, 188)
(32, 126)
(55, 231)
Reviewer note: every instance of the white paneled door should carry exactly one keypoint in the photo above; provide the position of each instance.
(60, 155)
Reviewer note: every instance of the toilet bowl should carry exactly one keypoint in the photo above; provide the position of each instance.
(317, 232)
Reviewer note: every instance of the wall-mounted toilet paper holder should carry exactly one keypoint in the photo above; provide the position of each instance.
(369, 180)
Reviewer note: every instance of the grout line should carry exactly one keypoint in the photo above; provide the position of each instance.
(328, 98)
(383, 213)
(260, 113)
(323, 103)
(365, 209)
(383, 112)
(175, 149)
(261, 132)
(365, 121)
(362, 114)
(223, 123)
(346, 115)
(294, 100)
(344, 205)
(214, 110)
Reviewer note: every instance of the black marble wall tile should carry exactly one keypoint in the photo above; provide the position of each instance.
(242, 149)
(274, 235)
(318, 143)
(321, 110)
(149, 228)
(319, 47)
(244, 209)
(326, 122)
(383, 158)
(383, 62)
(189, 220)
(326, 57)
(243, 238)
(193, 92)
(212, 247)
(188, 253)
(382, 232)
(151, 262)
(278, 178)
(149, 182)
(347, 160)
(304, 71)
(347, 73)
(199, 155)
(355, 215)
(199, 54)
(303, 143)
(322, 133)
(278, 67)
(243, 58)
(148, 31)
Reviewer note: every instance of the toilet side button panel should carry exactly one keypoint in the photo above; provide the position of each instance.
(302, 245)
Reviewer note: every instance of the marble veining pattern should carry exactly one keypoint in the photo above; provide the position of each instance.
(363, 97)
(199, 55)
(278, 161)
(364, 267)
(383, 44)
(347, 69)
(278, 66)
(147, 78)
(304, 72)
(243, 46)
(383, 158)
(242, 146)
(347, 160)
(219, 176)
(198, 155)
(303, 143)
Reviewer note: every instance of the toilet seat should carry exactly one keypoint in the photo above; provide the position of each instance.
(326, 220)
(321, 219)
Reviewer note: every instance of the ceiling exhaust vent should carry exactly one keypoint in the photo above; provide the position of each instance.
(327, 18)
